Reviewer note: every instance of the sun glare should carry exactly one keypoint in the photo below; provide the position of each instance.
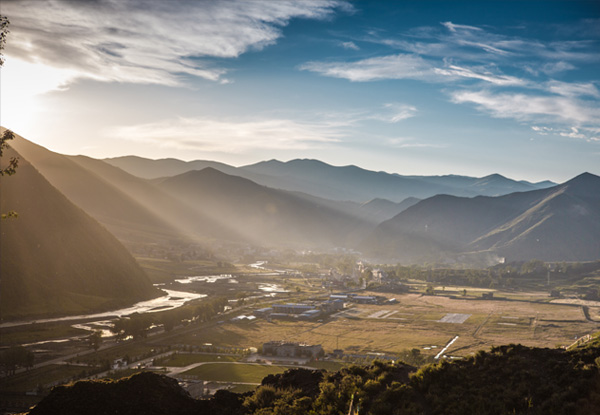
(22, 83)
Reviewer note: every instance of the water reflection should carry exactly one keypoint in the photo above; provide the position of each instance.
(205, 278)
(172, 299)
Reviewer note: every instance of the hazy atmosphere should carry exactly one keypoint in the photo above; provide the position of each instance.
(299, 207)
(427, 87)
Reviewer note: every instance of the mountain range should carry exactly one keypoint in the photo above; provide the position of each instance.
(557, 223)
(345, 183)
(167, 202)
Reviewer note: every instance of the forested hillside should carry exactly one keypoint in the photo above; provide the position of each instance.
(509, 379)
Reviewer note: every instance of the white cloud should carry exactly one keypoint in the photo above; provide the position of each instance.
(149, 41)
(350, 45)
(410, 142)
(399, 66)
(502, 80)
(542, 130)
(574, 133)
(397, 112)
(528, 107)
(568, 89)
(454, 27)
(222, 135)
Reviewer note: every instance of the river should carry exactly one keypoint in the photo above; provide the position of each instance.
(172, 299)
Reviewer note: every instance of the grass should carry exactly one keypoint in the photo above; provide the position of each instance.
(186, 359)
(163, 270)
(33, 333)
(132, 349)
(229, 372)
(46, 375)
(328, 365)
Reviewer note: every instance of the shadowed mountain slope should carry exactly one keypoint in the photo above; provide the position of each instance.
(264, 215)
(133, 209)
(554, 224)
(186, 220)
(113, 207)
(55, 259)
(565, 225)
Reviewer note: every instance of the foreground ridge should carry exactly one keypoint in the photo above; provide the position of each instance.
(504, 380)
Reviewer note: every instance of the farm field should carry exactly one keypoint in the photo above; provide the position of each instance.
(417, 321)
(186, 359)
(234, 372)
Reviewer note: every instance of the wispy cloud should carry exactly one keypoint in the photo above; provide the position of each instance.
(395, 112)
(152, 42)
(528, 107)
(350, 45)
(260, 132)
(411, 142)
(401, 66)
(485, 75)
(222, 135)
(570, 89)
(504, 76)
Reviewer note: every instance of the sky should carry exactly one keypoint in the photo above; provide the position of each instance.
(408, 87)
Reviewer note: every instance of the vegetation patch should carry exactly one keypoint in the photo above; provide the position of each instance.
(186, 359)
(231, 372)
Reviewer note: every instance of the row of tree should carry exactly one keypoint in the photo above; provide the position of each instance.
(15, 357)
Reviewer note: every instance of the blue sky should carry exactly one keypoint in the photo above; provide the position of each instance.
(411, 87)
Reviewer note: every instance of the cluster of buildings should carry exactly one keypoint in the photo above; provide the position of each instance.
(316, 309)
(359, 299)
(293, 311)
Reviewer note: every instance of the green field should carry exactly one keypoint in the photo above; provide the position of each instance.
(30, 380)
(230, 372)
(186, 359)
(33, 333)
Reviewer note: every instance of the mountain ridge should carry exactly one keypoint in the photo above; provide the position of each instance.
(343, 183)
(557, 223)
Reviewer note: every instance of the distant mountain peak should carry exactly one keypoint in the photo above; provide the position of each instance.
(584, 184)
(588, 177)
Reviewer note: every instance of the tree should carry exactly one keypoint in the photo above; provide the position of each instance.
(95, 340)
(3, 34)
(11, 168)
(430, 290)
(14, 357)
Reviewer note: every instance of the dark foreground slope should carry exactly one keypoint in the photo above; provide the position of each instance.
(506, 380)
(55, 259)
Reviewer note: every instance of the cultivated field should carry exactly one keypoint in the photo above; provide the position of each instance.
(417, 321)
(234, 372)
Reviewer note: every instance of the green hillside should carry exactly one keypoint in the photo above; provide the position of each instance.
(55, 259)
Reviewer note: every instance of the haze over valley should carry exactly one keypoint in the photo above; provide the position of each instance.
(299, 207)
